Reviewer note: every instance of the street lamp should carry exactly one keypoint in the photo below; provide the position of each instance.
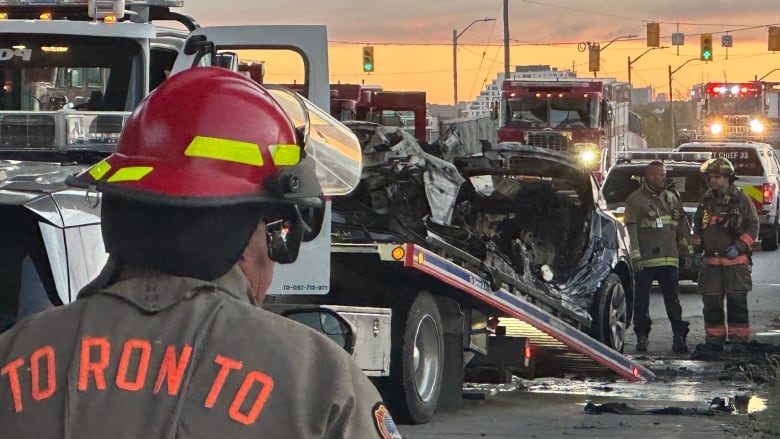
(767, 74)
(455, 36)
(671, 99)
(630, 62)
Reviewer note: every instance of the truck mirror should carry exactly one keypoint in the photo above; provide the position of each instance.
(327, 322)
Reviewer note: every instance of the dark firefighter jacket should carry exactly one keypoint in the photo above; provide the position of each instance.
(721, 220)
(657, 228)
(156, 356)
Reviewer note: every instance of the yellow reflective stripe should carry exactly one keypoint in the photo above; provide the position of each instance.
(131, 173)
(754, 192)
(285, 155)
(225, 149)
(99, 170)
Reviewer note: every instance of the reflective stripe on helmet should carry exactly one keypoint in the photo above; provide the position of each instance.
(131, 173)
(225, 149)
(99, 170)
(285, 155)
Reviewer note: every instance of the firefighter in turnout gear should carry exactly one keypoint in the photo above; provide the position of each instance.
(199, 201)
(725, 226)
(659, 237)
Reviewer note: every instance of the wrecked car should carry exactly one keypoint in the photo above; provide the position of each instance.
(527, 219)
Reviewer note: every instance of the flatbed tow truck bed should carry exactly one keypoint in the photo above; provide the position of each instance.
(578, 344)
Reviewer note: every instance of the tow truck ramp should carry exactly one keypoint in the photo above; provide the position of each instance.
(513, 305)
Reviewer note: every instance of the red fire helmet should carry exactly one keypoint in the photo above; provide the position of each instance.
(208, 137)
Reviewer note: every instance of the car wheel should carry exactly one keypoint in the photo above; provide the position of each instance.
(610, 316)
(416, 369)
(769, 240)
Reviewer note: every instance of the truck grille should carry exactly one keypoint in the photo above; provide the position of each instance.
(553, 140)
(27, 131)
(737, 125)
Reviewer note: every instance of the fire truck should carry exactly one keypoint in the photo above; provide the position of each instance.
(412, 313)
(588, 118)
(734, 111)
(405, 109)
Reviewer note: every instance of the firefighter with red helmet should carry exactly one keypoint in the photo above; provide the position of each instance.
(725, 226)
(198, 202)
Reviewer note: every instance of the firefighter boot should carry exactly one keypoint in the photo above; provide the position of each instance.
(641, 343)
(678, 341)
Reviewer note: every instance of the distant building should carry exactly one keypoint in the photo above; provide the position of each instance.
(642, 95)
(661, 97)
(492, 93)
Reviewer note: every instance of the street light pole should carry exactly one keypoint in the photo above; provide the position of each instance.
(600, 48)
(632, 62)
(768, 73)
(671, 98)
(455, 36)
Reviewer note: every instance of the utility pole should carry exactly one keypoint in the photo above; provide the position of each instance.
(506, 39)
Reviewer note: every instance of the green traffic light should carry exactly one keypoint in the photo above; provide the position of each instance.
(367, 66)
(707, 55)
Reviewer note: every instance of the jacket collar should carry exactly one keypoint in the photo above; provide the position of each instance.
(153, 291)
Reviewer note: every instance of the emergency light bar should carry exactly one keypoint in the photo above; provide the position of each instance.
(676, 156)
(742, 89)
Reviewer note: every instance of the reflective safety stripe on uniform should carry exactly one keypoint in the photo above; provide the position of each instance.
(650, 223)
(721, 287)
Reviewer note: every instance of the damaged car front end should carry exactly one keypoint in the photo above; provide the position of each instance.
(527, 219)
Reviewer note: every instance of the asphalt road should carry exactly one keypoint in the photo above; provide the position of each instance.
(554, 408)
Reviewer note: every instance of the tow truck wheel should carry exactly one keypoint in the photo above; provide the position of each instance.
(416, 368)
(769, 241)
(610, 316)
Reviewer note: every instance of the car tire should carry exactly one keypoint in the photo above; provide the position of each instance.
(416, 369)
(610, 314)
(769, 240)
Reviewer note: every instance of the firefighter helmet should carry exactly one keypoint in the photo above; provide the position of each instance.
(209, 137)
(720, 166)
(201, 160)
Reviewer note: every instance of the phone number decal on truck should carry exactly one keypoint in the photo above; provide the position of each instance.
(305, 287)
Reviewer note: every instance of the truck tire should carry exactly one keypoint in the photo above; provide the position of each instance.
(610, 313)
(416, 364)
(769, 240)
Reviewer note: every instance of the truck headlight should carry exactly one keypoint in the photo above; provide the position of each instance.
(716, 128)
(756, 126)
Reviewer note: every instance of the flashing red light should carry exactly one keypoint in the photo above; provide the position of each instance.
(743, 89)
(768, 192)
(635, 372)
(527, 352)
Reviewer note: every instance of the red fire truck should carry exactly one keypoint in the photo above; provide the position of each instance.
(587, 117)
(732, 110)
(406, 109)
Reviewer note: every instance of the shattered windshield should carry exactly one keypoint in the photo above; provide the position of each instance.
(52, 72)
(554, 112)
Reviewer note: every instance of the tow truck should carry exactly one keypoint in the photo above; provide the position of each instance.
(418, 310)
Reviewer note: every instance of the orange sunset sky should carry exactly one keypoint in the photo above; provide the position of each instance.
(413, 39)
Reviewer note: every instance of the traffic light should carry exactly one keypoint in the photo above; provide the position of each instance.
(774, 38)
(653, 35)
(594, 58)
(705, 54)
(368, 58)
